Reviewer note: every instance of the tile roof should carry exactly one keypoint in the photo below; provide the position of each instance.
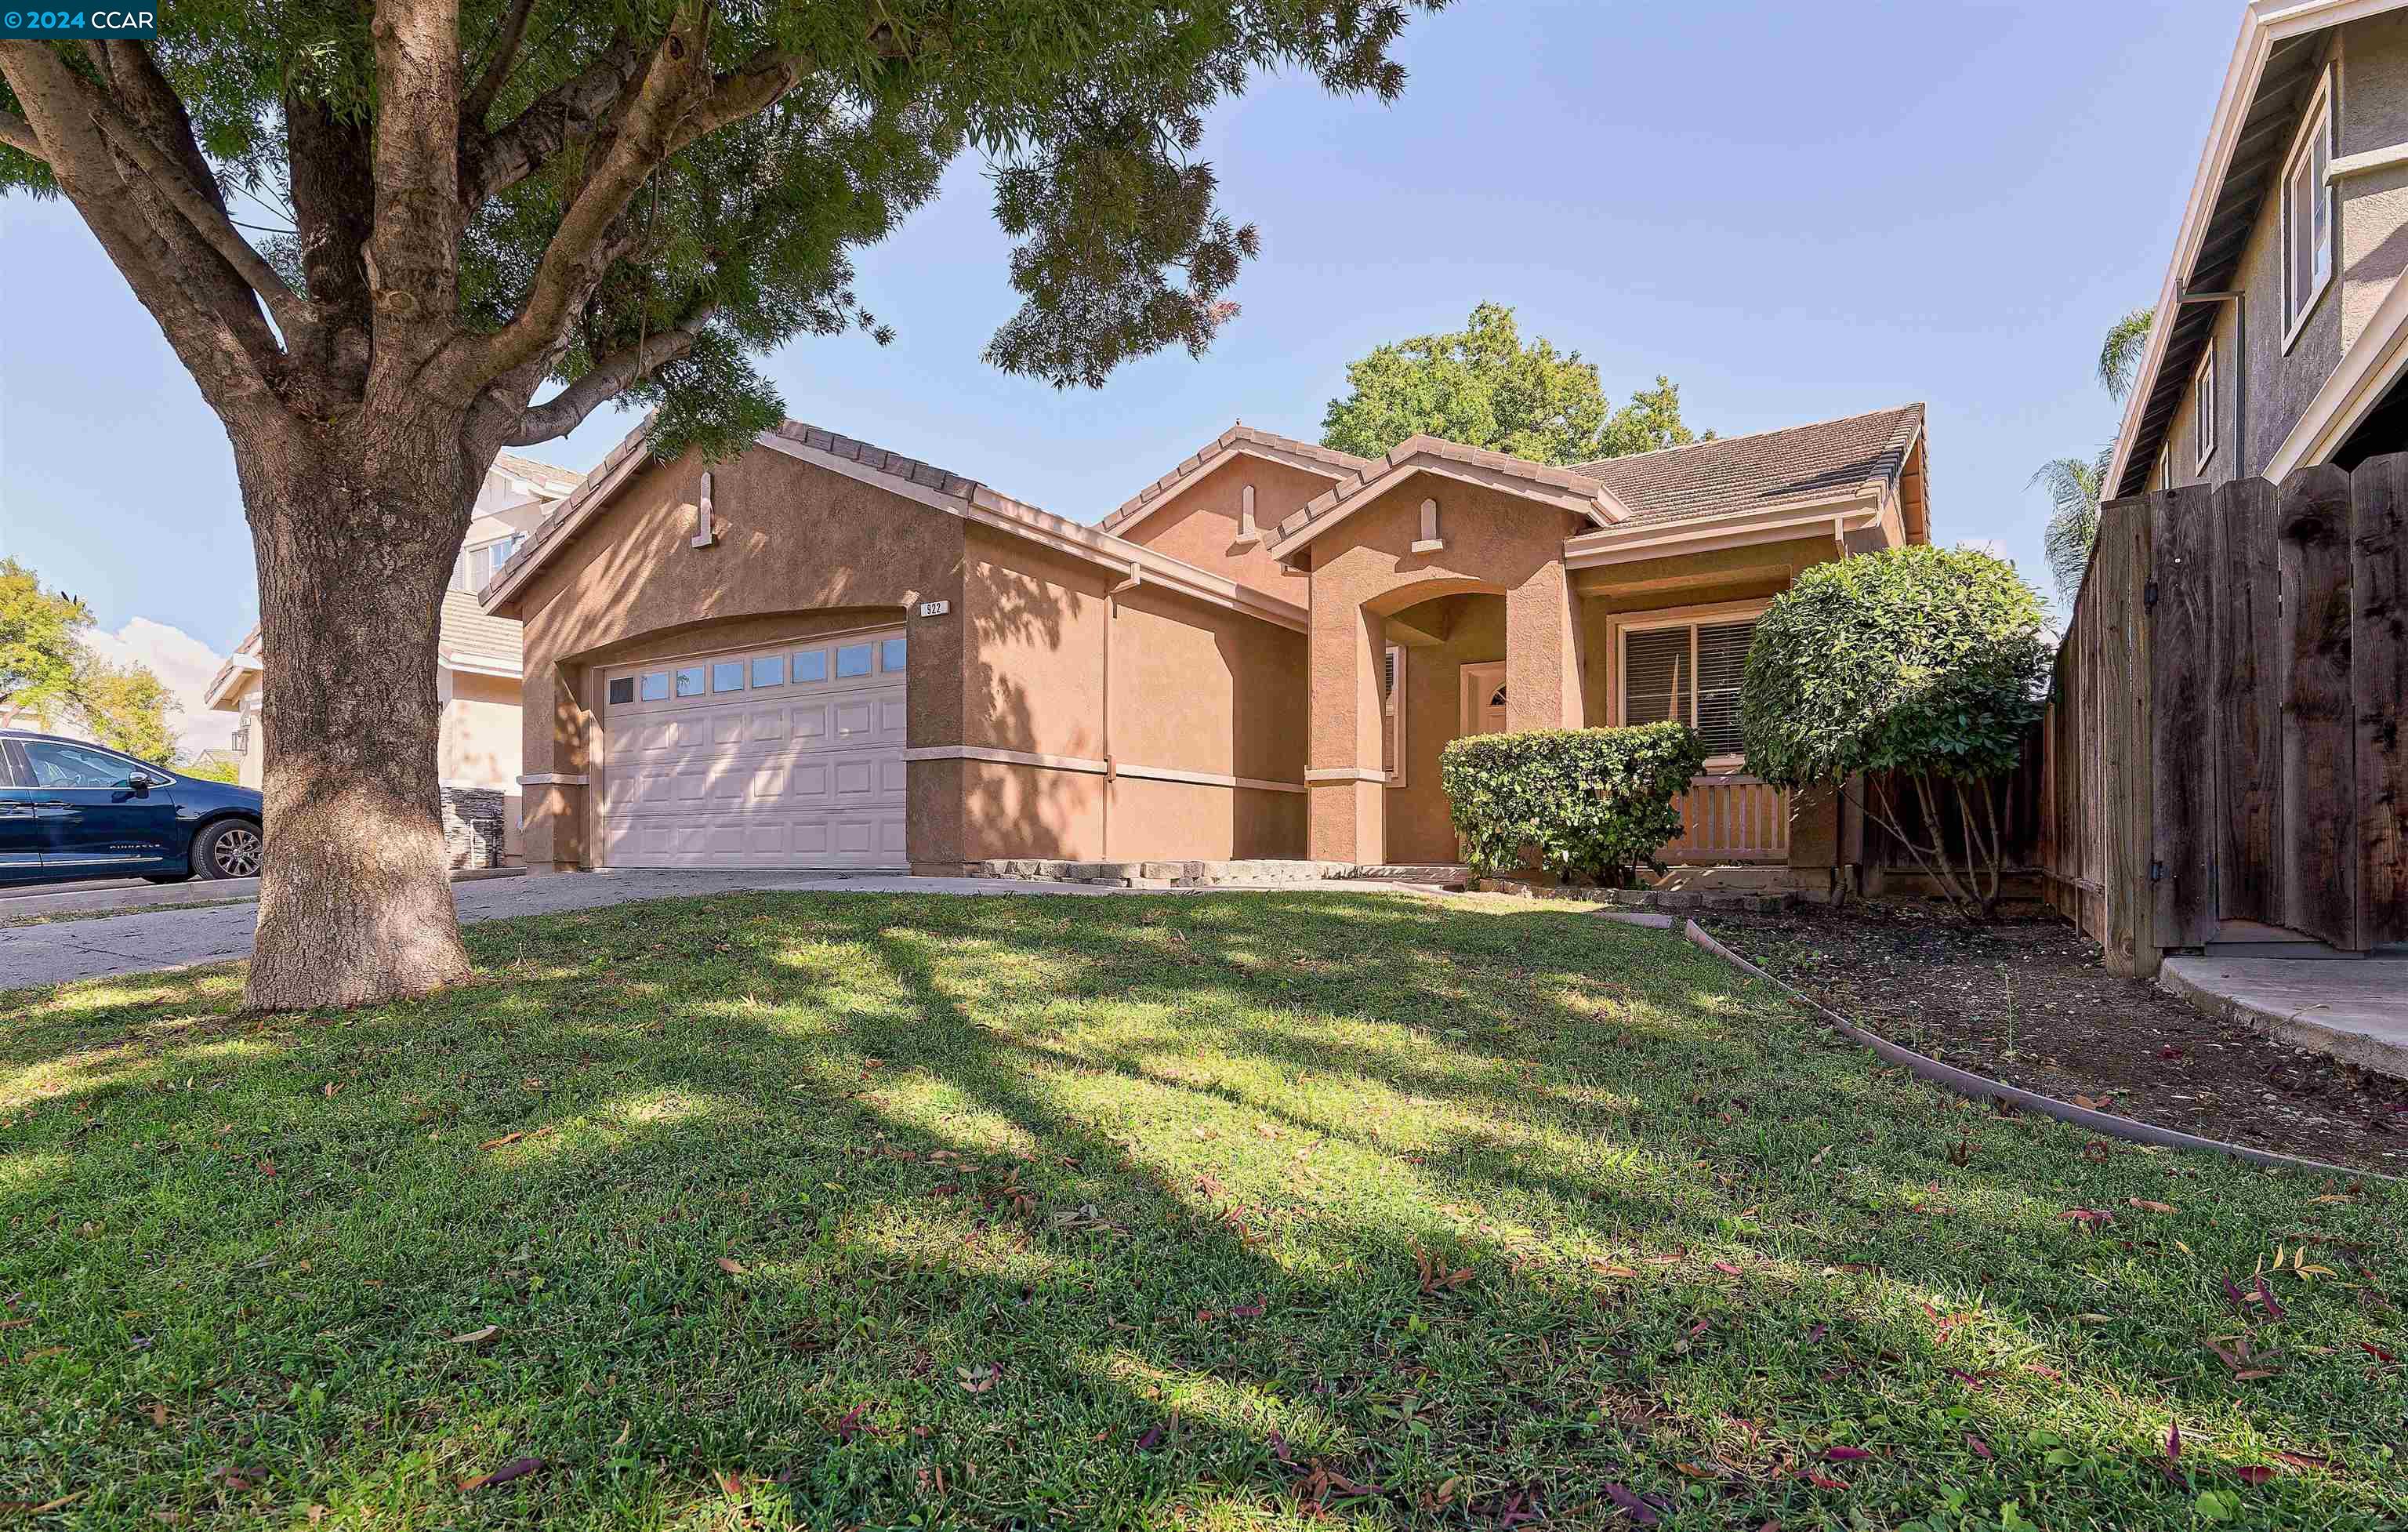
(1236, 438)
(1825, 460)
(554, 479)
(469, 633)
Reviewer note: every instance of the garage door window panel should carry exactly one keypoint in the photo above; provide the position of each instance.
(657, 686)
(890, 657)
(810, 666)
(768, 670)
(851, 660)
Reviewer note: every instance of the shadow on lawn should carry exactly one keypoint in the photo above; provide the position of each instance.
(946, 1135)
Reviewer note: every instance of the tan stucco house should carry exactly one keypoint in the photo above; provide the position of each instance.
(822, 653)
(477, 675)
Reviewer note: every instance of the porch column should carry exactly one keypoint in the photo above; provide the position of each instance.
(1543, 652)
(1346, 821)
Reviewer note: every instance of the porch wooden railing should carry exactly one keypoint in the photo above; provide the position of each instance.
(1735, 818)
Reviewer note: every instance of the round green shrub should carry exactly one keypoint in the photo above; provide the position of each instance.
(1926, 660)
(1593, 803)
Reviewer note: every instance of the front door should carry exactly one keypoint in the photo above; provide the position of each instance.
(1484, 697)
(99, 811)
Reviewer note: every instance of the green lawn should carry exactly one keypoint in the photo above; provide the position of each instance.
(846, 1210)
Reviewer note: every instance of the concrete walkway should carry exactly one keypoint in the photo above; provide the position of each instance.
(2355, 1010)
(35, 901)
(157, 939)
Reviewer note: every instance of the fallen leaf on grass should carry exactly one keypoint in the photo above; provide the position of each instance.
(516, 1468)
(1980, 1448)
(506, 1139)
(2146, 1206)
(14, 1323)
(2174, 1443)
(2266, 1296)
(1846, 1454)
(1725, 1268)
(158, 1413)
(977, 1379)
(730, 1265)
(1824, 1481)
(2090, 1217)
(2376, 1352)
(1630, 1504)
(2254, 1473)
(476, 1338)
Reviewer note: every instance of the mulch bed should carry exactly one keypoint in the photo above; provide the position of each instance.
(2027, 1001)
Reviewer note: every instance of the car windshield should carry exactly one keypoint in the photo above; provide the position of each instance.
(72, 766)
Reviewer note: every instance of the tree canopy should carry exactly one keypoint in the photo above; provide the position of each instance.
(633, 199)
(1481, 386)
(49, 675)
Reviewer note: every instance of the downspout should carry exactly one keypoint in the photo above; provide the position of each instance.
(1112, 620)
(2240, 302)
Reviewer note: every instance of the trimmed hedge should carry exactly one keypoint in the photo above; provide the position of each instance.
(1594, 803)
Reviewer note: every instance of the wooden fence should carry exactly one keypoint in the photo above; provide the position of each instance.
(1731, 818)
(2224, 740)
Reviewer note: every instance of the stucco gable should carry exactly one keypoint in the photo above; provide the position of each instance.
(1238, 441)
(1561, 488)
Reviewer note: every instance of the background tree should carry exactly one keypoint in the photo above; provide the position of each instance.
(1482, 387)
(469, 200)
(1914, 672)
(2075, 487)
(50, 678)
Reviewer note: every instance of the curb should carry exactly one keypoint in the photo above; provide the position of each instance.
(1981, 1088)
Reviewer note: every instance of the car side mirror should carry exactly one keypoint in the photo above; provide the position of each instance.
(140, 785)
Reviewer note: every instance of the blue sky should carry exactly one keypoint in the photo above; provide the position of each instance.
(1795, 211)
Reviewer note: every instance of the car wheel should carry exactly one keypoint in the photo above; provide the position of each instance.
(229, 849)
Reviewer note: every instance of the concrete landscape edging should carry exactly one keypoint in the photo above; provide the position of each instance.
(1981, 1087)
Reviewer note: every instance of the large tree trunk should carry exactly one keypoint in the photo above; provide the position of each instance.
(355, 525)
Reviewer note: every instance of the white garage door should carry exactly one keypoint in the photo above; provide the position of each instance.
(789, 756)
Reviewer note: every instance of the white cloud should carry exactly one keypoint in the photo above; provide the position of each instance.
(185, 664)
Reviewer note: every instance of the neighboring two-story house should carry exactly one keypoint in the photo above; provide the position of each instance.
(2281, 338)
(478, 677)
(823, 653)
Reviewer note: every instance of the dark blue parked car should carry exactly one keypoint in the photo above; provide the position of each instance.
(73, 809)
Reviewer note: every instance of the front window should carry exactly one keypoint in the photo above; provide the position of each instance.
(1689, 673)
(2307, 214)
(72, 766)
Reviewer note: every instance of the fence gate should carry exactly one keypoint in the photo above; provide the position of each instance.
(2224, 740)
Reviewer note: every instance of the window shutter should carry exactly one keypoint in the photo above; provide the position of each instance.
(1722, 664)
(1656, 676)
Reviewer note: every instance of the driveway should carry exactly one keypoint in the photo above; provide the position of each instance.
(156, 940)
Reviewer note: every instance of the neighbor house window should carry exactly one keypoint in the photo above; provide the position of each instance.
(2203, 399)
(1687, 673)
(1392, 715)
(2307, 214)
